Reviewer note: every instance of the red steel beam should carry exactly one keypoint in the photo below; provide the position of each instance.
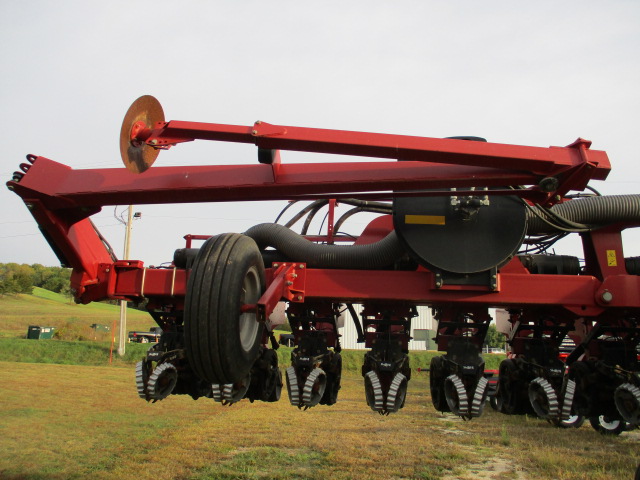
(579, 294)
(537, 160)
(65, 187)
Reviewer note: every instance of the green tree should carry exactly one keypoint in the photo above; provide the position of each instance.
(494, 339)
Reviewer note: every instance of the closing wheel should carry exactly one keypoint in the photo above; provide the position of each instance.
(314, 388)
(437, 374)
(479, 398)
(607, 425)
(456, 395)
(162, 381)
(293, 388)
(373, 392)
(222, 342)
(543, 398)
(627, 398)
(143, 370)
(234, 392)
(397, 393)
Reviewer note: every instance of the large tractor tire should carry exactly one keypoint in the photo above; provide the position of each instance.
(221, 342)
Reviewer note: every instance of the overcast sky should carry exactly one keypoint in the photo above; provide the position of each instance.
(532, 73)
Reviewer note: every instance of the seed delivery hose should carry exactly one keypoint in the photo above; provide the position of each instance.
(592, 211)
(373, 256)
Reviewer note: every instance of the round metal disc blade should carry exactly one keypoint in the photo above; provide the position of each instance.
(145, 109)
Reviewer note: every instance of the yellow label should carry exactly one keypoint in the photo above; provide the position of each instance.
(611, 258)
(424, 219)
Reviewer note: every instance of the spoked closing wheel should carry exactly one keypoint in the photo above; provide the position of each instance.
(373, 392)
(234, 392)
(313, 389)
(162, 381)
(568, 417)
(543, 398)
(456, 396)
(292, 387)
(143, 370)
(479, 398)
(627, 399)
(397, 393)
(221, 341)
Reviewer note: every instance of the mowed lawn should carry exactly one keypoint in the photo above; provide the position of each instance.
(68, 421)
(49, 309)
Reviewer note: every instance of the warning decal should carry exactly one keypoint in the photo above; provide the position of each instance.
(611, 258)
(424, 219)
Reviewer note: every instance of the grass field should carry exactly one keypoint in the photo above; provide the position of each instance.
(50, 309)
(66, 421)
(65, 413)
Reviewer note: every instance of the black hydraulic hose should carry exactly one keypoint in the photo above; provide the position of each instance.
(592, 211)
(373, 256)
(312, 213)
(355, 210)
(356, 322)
(304, 211)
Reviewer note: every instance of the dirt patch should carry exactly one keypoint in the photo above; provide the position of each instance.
(495, 468)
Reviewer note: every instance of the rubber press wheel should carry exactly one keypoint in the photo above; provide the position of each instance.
(221, 342)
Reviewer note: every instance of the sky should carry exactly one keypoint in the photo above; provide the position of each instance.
(530, 73)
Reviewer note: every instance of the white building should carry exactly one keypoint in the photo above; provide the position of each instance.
(419, 325)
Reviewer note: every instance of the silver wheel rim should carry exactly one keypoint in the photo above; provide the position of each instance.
(247, 323)
(608, 425)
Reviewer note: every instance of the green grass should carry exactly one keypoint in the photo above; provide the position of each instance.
(67, 421)
(67, 353)
(97, 353)
(45, 308)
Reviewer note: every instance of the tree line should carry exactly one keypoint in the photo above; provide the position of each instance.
(21, 278)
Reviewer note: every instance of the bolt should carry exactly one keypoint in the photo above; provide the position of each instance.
(275, 265)
(154, 142)
(289, 284)
(259, 122)
(301, 266)
(30, 206)
(438, 284)
(254, 132)
(299, 297)
(10, 187)
(606, 296)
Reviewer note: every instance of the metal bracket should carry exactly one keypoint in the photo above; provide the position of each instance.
(287, 283)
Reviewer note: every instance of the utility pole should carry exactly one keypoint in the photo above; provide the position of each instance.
(123, 303)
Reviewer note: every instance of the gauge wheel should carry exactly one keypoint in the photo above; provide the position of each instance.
(221, 341)
(574, 421)
(437, 376)
(507, 395)
(607, 426)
